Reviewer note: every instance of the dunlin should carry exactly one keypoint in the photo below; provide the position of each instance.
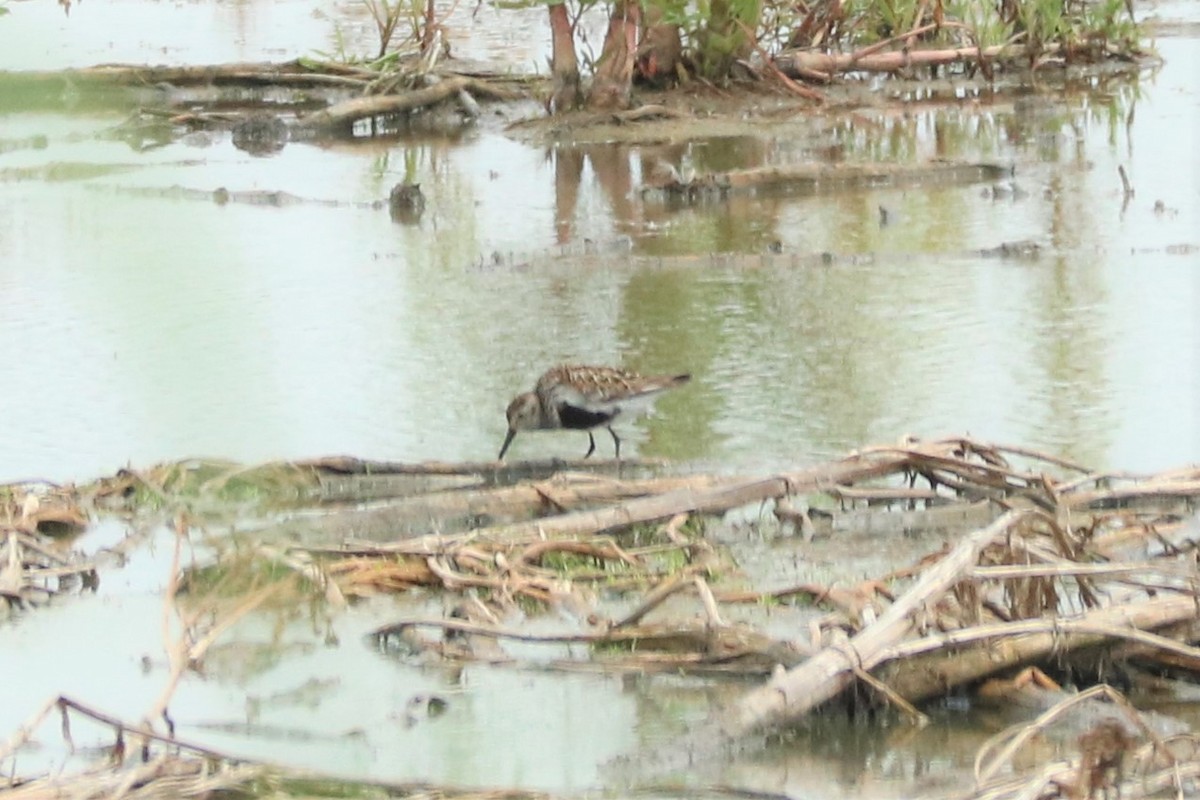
(580, 398)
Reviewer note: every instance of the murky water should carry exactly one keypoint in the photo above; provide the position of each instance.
(140, 325)
(42, 37)
(141, 328)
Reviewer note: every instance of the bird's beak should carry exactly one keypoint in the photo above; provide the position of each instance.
(507, 441)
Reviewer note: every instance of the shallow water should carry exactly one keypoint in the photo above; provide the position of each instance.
(144, 328)
(42, 37)
(139, 325)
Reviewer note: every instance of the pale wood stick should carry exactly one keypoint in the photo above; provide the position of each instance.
(791, 695)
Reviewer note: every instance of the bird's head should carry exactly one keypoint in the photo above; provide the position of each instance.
(524, 413)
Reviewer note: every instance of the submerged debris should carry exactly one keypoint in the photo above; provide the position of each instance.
(406, 203)
(36, 523)
(260, 134)
(1038, 572)
(683, 187)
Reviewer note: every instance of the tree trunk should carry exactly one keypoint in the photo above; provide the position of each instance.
(614, 74)
(659, 54)
(564, 66)
(728, 35)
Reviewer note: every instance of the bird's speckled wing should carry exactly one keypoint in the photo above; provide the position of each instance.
(600, 389)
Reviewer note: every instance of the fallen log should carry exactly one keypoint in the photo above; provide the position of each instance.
(500, 471)
(933, 665)
(789, 696)
(722, 495)
(684, 646)
(450, 510)
(799, 63)
(293, 74)
(340, 117)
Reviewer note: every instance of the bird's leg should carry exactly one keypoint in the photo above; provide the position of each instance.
(616, 442)
(591, 445)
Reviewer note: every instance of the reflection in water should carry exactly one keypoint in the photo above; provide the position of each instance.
(837, 757)
(1070, 400)
(134, 31)
(317, 326)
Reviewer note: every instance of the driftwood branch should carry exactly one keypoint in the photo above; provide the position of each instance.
(342, 116)
(798, 62)
(788, 697)
(927, 667)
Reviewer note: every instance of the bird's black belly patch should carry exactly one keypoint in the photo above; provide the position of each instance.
(575, 418)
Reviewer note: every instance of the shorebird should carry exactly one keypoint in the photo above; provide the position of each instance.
(579, 398)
